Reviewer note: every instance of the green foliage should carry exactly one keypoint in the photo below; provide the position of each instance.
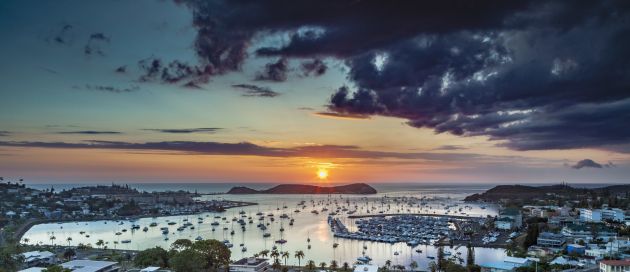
(156, 256)
(187, 260)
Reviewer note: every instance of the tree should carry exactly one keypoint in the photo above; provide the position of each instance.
(181, 244)
(285, 256)
(388, 263)
(299, 255)
(156, 256)
(333, 265)
(310, 265)
(413, 265)
(187, 260)
(274, 254)
(216, 253)
(440, 258)
(10, 258)
(264, 253)
(69, 239)
(100, 243)
(69, 253)
(470, 257)
(345, 267)
(433, 266)
(532, 235)
(276, 264)
(322, 265)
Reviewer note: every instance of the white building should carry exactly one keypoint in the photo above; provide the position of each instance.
(39, 258)
(508, 264)
(250, 265)
(597, 215)
(91, 266)
(614, 265)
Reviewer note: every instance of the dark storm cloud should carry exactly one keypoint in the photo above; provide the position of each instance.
(588, 163)
(95, 44)
(274, 71)
(255, 90)
(174, 72)
(110, 89)
(184, 130)
(529, 74)
(89, 132)
(314, 67)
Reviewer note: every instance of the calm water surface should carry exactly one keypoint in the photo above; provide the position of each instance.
(307, 225)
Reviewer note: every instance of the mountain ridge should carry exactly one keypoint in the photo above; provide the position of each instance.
(354, 188)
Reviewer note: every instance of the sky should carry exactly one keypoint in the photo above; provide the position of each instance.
(282, 91)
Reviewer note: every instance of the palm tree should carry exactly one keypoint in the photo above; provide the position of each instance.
(310, 265)
(26, 240)
(413, 265)
(52, 239)
(433, 267)
(276, 265)
(299, 255)
(388, 263)
(345, 266)
(100, 243)
(285, 256)
(333, 265)
(264, 253)
(69, 239)
(322, 265)
(274, 254)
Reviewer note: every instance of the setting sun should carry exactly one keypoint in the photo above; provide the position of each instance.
(322, 173)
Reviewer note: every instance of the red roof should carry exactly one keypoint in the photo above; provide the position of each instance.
(625, 262)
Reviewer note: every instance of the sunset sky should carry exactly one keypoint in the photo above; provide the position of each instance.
(277, 91)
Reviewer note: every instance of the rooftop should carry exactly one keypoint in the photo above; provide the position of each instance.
(250, 261)
(87, 265)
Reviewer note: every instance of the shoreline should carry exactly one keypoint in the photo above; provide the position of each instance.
(26, 226)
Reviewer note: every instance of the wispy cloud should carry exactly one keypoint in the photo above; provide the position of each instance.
(185, 130)
(449, 147)
(255, 90)
(109, 88)
(341, 115)
(89, 132)
(4, 133)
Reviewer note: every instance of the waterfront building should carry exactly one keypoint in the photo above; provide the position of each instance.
(250, 265)
(549, 239)
(514, 215)
(39, 258)
(614, 265)
(91, 266)
(508, 264)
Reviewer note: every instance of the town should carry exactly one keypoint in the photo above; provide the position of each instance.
(547, 232)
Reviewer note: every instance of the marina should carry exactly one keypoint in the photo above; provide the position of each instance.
(299, 222)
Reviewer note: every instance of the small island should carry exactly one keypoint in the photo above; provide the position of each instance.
(355, 188)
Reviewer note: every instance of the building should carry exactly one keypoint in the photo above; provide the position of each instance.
(508, 264)
(576, 249)
(514, 214)
(39, 258)
(504, 223)
(250, 265)
(91, 266)
(598, 215)
(586, 232)
(549, 239)
(614, 265)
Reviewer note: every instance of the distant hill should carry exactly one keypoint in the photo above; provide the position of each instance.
(356, 188)
(523, 192)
